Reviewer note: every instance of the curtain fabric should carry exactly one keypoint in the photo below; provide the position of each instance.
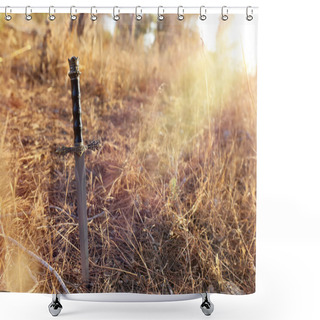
(171, 189)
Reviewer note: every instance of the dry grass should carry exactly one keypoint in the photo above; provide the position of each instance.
(171, 194)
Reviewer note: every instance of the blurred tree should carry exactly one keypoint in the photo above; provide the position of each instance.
(128, 29)
(170, 31)
(81, 21)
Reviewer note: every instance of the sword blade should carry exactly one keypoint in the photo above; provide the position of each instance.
(80, 172)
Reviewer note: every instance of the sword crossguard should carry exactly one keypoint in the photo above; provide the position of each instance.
(80, 149)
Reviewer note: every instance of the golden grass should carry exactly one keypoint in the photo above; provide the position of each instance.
(171, 194)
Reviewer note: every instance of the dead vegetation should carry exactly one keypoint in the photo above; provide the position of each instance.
(171, 194)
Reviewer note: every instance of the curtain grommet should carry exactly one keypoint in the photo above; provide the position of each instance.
(73, 17)
(93, 16)
(28, 16)
(203, 13)
(138, 15)
(180, 14)
(52, 17)
(7, 16)
(224, 13)
(160, 16)
(249, 17)
(115, 16)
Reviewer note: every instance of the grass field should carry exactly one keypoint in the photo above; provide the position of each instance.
(171, 194)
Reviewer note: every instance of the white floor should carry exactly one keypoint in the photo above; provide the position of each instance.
(287, 288)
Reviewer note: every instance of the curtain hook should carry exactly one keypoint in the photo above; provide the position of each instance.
(51, 16)
(249, 16)
(180, 15)
(160, 16)
(224, 13)
(203, 15)
(73, 16)
(115, 16)
(93, 16)
(28, 16)
(7, 16)
(138, 16)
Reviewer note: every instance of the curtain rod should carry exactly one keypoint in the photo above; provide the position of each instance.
(138, 9)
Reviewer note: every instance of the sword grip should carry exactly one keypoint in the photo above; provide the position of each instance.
(74, 75)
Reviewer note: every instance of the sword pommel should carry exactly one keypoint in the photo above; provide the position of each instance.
(74, 67)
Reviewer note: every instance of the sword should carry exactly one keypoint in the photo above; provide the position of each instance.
(80, 171)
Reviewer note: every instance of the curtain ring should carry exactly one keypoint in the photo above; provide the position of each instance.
(160, 16)
(138, 16)
(73, 16)
(93, 16)
(203, 15)
(115, 16)
(51, 16)
(224, 13)
(28, 16)
(7, 16)
(180, 15)
(249, 16)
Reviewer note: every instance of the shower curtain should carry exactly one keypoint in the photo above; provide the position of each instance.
(170, 186)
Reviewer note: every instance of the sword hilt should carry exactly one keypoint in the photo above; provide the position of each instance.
(74, 75)
(79, 148)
